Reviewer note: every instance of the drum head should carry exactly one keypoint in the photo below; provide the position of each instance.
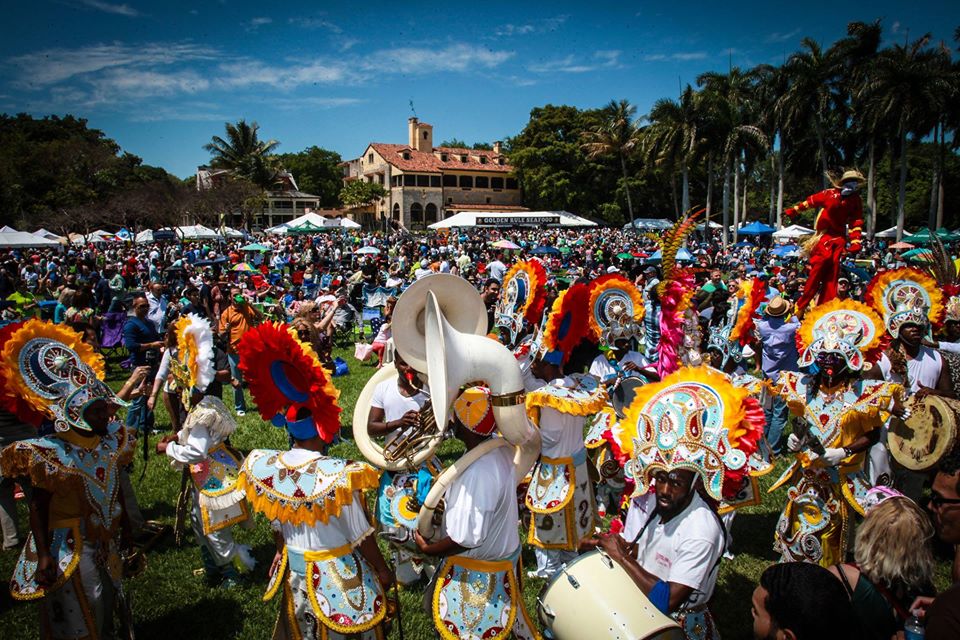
(623, 394)
(927, 435)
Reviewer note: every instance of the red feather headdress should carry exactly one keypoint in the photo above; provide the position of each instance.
(569, 320)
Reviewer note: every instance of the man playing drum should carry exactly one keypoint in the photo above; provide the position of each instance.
(673, 540)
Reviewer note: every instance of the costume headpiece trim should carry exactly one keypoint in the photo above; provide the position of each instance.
(194, 368)
(567, 325)
(905, 296)
(474, 411)
(735, 332)
(693, 419)
(288, 382)
(847, 328)
(43, 361)
(676, 292)
(522, 297)
(616, 309)
(69, 408)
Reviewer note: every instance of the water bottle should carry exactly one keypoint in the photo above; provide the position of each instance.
(913, 628)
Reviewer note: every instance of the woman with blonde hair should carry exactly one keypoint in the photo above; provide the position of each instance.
(894, 562)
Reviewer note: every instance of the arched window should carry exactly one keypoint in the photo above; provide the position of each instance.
(416, 212)
(396, 211)
(431, 212)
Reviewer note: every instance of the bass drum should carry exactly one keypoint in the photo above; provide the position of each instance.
(919, 442)
(621, 396)
(593, 597)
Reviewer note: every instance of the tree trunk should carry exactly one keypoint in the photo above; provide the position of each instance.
(872, 193)
(743, 203)
(772, 217)
(726, 204)
(736, 199)
(823, 152)
(626, 189)
(706, 223)
(685, 175)
(780, 186)
(940, 189)
(673, 194)
(902, 195)
(934, 186)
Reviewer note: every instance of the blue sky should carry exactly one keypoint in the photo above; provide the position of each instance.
(162, 78)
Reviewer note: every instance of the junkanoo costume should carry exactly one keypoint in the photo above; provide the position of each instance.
(814, 524)
(315, 502)
(693, 419)
(560, 496)
(49, 372)
(202, 447)
(840, 207)
(477, 594)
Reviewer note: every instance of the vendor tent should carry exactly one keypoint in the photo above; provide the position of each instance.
(343, 223)
(310, 216)
(513, 219)
(649, 224)
(683, 255)
(230, 232)
(22, 239)
(792, 232)
(198, 232)
(756, 228)
(49, 235)
(6, 229)
(886, 233)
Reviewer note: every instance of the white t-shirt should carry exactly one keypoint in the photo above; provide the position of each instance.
(949, 347)
(481, 513)
(602, 368)
(561, 433)
(350, 527)
(923, 370)
(387, 396)
(685, 550)
(496, 270)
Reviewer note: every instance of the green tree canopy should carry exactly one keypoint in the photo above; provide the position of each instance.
(244, 154)
(316, 172)
(357, 193)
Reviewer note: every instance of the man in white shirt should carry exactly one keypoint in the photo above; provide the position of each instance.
(628, 362)
(496, 269)
(481, 543)
(158, 305)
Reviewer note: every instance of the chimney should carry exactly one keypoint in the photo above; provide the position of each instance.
(497, 147)
(412, 132)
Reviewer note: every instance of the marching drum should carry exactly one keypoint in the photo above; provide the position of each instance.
(623, 392)
(593, 597)
(926, 435)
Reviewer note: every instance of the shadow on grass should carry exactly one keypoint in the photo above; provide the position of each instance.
(731, 604)
(214, 616)
(753, 535)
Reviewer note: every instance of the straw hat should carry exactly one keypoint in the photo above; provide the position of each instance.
(777, 307)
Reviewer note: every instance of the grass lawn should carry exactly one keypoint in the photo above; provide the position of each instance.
(171, 601)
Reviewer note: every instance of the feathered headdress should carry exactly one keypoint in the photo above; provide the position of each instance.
(675, 292)
(744, 309)
(693, 419)
(567, 325)
(943, 268)
(616, 309)
(41, 362)
(906, 296)
(522, 297)
(194, 367)
(847, 328)
(291, 387)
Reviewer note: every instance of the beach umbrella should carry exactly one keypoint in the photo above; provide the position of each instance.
(243, 266)
(256, 246)
(784, 250)
(625, 256)
(565, 250)
(919, 255)
(367, 251)
(505, 244)
(743, 243)
(543, 251)
(902, 245)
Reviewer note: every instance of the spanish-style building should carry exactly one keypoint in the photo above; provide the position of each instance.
(283, 203)
(426, 183)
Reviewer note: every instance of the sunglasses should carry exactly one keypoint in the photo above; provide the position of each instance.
(937, 500)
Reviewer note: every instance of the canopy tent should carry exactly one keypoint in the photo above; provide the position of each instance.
(256, 246)
(311, 217)
(304, 228)
(343, 223)
(713, 225)
(513, 219)
(792, 232)
(756, 228)
(649, 224)
(7, 229)
(230, 232)
(922, 236)
(785, 250)
(886, 233)
(198, 232)
(22, 239)
(49, 235)
(682, 254)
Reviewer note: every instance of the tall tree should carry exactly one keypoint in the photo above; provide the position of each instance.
(618, 136)
(316, 171)
(673, 137)
(244, 154)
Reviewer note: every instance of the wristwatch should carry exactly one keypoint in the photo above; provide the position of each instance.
(848, 451)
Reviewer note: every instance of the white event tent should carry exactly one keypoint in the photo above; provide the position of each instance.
(513, 218)
(792, 232)
(22, 239)
(313, 218)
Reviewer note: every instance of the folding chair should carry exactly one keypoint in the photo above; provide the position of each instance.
(111, 334)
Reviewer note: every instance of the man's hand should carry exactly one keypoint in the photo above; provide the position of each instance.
(631, 366)
(164, 441)
(923, 392)
(422, 544)
(793, 443)
(151, 402)
(409, 419)
(614, 546)
(921, 604)
(46, 570)
(833, 456)
(277, 557)
(386, 578)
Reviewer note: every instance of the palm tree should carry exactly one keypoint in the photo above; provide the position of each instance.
(673, 136)
(812, 94)
(618, 136)
(244, 154)
(907, 87)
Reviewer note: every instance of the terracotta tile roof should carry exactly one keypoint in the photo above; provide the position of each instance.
(469, 206)
(430, 162)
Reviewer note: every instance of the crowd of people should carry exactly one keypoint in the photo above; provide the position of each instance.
(652, 393)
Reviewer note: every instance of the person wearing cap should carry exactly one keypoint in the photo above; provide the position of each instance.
(841, 207)
(778, 353)
(479, 578)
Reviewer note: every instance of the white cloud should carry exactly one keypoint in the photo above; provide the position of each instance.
(456, 57)
(305, 22)
(895, 28)
(778, 36)
(675, 57)
(539, 26)
(507, 30)
(603, 59)
(315, 102)
(107, 7)
(256, 23)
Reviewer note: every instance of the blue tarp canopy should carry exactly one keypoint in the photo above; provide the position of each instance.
(755, 229)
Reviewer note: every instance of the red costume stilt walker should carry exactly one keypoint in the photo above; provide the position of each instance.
(841, 207)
